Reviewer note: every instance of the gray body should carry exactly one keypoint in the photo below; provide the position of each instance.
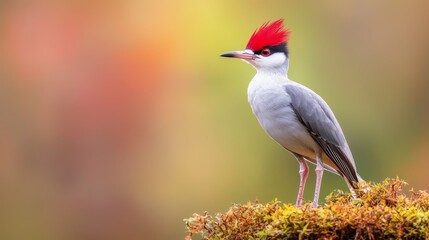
(301, 121)
(298, 119)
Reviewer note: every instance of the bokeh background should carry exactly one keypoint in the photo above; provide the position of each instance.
(118, 119)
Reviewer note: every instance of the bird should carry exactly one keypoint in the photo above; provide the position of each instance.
(292, 114)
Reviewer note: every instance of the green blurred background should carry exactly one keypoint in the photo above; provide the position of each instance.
(118, 119)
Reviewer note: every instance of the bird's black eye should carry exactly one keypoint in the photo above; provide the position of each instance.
(265, 52)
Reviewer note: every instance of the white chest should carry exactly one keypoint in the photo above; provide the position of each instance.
(271, 105)
(268, 99)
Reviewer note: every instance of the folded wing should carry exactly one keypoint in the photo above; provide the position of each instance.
(313, 112)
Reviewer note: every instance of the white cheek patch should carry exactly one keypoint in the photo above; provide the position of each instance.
(273, 60)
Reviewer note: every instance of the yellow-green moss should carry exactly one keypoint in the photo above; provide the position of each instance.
(382, 211)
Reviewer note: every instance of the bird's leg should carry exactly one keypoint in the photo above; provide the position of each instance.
(319, 175)
(303, 173)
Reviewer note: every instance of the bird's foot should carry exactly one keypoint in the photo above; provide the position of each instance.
(315, 205)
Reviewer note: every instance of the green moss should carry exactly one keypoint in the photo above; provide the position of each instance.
(382, 211)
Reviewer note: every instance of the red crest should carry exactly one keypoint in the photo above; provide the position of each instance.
(269, 34)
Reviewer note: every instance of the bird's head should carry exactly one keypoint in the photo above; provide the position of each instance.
(267, 47)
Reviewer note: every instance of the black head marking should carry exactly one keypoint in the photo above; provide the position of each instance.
(277, 48)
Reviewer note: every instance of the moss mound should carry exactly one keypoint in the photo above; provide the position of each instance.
(382, 211)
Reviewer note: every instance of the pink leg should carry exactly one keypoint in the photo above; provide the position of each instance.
(319, 175)
(303, 173)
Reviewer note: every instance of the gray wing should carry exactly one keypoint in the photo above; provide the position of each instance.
(313, 112)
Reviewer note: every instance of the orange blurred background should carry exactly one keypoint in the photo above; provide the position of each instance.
(118, 119)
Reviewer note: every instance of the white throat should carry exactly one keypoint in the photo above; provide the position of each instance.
(275, 64)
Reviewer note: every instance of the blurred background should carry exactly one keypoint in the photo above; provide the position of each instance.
(118, 119)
